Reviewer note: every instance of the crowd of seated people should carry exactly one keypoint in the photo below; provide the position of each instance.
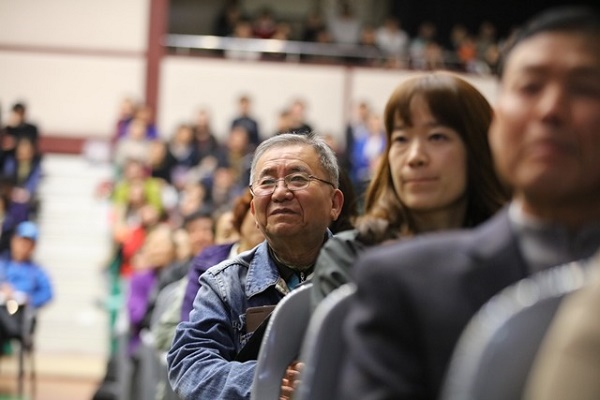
(21, 160)
(156, 198)
(24, 283)
(181, 203)
(394, 161)
(385, 45)
(163, 184)
(415, 297)
(20, 177)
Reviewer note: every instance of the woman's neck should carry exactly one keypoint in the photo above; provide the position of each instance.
(443, 219)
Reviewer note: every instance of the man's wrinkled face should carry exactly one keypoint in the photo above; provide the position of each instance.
(301, 213)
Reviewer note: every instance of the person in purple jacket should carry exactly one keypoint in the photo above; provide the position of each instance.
(250, 236)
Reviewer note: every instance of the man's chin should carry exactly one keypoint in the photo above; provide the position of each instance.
(283, 229)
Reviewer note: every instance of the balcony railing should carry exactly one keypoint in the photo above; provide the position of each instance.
(290, 50)
(297, 51)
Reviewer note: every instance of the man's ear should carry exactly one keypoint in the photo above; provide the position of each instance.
(337, 201)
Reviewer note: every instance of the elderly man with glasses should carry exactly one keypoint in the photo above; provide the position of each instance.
(294, 181)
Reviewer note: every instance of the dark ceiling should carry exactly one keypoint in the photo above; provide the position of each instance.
(504, 14)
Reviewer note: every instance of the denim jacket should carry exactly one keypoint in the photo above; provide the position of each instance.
(200, 360)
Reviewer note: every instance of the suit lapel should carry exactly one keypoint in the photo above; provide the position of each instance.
(497, 260)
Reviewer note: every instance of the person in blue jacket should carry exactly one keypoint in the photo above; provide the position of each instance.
(22, 281)
(20, 276)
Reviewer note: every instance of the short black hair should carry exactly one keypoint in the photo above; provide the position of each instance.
(202, 213)
(18, 107)
(578, 19)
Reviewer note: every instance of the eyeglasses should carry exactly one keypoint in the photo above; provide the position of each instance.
(266, 186)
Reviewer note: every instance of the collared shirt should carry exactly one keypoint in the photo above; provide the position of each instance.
(293, 277)
(545, 244)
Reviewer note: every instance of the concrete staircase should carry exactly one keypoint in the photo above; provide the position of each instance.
(74, 247)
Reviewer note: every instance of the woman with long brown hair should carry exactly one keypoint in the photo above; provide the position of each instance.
(436, 173)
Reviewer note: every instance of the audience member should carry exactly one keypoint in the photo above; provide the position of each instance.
(158, 162)
(284, 122)
(224, 230)
(22, 279)
(436, 128)
(192, 197)
(13, 211)
(294, 181)
(209, 148)
(393, 42)
(18, 127)
(350, 209)
(19, 273)
(24, 167)
(127, 110)
(151, 262)
(134, 144)
(144, 117)
(156, 252)
(239, 154)
(414, 299)
(137, 205)
(356, 129)
(458, 33)
(245, 119)
(486, 39)
(243, 50)
(313, 24)
(370, 50)
(182, 156)
(334, 142)
(466, 54)
(322, 37)
(132, 237)
(297, 117)
(135, 188)
(223, 189)
(565, 366)
(197, 234)
(228, 18)
(283, 31)
(264, 26)
(248, 237)
(367, 152)
(425, 51)
(343, 24)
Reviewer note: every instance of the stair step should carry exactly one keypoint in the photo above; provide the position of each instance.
(74, 247)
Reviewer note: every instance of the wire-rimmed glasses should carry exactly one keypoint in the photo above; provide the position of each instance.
(266, 185)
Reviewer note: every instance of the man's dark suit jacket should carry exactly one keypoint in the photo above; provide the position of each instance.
(413, 301)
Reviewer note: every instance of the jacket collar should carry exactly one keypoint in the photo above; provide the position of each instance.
(497, 258)
(262, 270)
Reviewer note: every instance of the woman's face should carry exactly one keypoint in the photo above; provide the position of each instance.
(428, 162)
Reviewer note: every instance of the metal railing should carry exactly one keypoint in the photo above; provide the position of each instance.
(298, 51)
(291, 50)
